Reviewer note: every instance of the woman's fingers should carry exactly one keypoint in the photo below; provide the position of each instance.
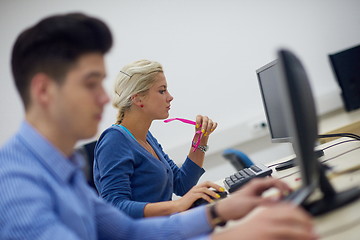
(205, 124)
(209, 184)
(203, 190)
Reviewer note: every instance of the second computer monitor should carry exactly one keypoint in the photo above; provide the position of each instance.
(268, 77)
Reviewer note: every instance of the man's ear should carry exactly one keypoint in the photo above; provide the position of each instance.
(40, 89)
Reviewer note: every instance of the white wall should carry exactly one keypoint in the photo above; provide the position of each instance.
(210, 50)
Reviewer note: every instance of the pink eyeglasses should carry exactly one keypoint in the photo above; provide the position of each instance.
(198, 134)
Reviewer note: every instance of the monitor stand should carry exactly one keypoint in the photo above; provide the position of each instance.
(330, 200)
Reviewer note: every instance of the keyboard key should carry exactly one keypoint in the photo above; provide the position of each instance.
(249, 172)
(243, 173)
(238, 175)
(255, 168)
(233, 178)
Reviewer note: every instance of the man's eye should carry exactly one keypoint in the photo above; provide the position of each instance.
(162, 91)
(91, 85)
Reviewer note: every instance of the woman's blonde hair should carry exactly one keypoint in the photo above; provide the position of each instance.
(134, 78)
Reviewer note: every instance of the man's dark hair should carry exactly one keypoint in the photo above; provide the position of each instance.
(53, 45)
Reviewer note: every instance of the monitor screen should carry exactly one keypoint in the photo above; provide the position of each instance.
(346, 67)
(268, 77)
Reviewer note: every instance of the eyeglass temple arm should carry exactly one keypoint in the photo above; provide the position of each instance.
(180, 119)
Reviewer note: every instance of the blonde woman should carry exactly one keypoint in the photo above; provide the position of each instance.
(131, 170)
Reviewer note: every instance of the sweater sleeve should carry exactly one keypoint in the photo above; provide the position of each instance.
(113, 168)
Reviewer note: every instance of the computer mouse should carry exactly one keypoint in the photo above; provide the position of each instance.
(202, 201)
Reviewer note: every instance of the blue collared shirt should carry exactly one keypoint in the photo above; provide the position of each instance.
(44, 195)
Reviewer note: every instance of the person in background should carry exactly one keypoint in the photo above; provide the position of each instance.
(58, 69)
(131, 170)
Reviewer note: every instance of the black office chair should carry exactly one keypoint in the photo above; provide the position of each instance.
(237, 158)
(87, 150)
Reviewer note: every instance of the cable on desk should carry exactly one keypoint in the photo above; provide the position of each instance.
(350, 135)
(326, 160)
(333, 145)
(338, 143)
(275, 164)
(343, 153)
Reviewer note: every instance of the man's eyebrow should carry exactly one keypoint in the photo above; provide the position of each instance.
(94, 74)
(163, 86)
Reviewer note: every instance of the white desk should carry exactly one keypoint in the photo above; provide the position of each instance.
(343, 223)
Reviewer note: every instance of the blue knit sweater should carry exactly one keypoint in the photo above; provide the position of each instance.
(129, 177)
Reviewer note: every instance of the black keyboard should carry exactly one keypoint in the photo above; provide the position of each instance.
(238, 179)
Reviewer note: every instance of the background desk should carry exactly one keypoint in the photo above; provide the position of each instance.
(343, 223)
(339, 121)
(341, 154)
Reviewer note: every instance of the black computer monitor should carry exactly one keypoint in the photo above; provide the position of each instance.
(346, 67)
(268, 77)
(301, 121)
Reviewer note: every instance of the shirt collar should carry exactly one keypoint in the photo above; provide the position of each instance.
(54, 160)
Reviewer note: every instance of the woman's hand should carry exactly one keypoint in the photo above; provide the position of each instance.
(201, 190)
(205, 125)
